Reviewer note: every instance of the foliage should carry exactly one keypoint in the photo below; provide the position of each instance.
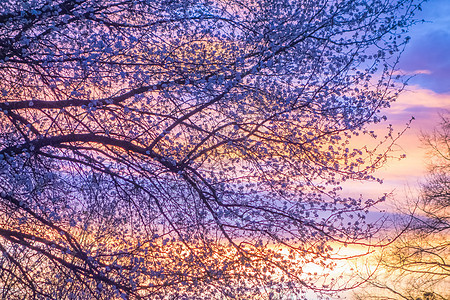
(186, 149)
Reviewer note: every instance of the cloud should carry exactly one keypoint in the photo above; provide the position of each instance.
(402, 176)
(415, 97)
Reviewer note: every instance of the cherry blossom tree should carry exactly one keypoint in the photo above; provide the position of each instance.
(187, 149)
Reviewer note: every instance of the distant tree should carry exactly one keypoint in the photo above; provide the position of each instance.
(186, 149)
(417, 265)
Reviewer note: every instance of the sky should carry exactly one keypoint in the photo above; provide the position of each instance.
(427, 59)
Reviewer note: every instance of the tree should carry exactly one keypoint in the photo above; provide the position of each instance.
(187, 149)
(417, 265)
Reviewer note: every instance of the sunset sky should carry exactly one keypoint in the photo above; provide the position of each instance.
(428, 93)
(427, 57)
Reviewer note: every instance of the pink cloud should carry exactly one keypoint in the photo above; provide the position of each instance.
(401, 176)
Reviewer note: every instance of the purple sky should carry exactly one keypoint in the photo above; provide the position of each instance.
(428, 93)
(428, 52)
